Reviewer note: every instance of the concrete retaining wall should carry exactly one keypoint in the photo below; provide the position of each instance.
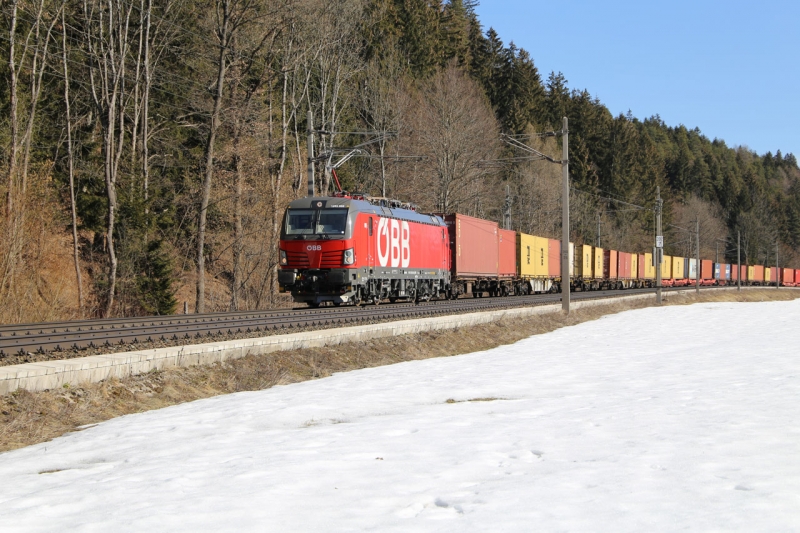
(55, 374)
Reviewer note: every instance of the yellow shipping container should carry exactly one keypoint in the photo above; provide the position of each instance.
(751, 273)
(582, 261)
(533, 256)
(666, 267)
(649, 269)
(598, 263)
(767, 272)
(634, 266)
(678, 267)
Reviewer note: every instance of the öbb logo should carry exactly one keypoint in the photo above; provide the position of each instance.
(393, 243)
(314, 247)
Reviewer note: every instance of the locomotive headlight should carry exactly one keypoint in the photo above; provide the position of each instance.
(349, 256)
(284, 260)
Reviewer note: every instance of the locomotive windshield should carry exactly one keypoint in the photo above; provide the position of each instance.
(332, 222)
(300, 222)
(316, 221)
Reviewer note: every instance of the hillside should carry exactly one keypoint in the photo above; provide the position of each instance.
(149, 150)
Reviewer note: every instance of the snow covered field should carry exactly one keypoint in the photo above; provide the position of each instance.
(652, 420)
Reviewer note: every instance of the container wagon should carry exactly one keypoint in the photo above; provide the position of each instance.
(679, 271)
(534, 263)
(475, 255)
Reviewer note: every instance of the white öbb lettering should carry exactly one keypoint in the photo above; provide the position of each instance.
(393, 243)
(314, 247)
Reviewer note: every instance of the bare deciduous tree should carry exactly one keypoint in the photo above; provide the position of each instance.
(30, 25)
(230, 17)
(454, 128)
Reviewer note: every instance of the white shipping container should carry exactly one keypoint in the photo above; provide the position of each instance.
(690, 268)
(571, 259)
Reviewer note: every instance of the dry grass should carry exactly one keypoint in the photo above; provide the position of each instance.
(27, 418)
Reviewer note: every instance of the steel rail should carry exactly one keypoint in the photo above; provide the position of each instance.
(76, 335)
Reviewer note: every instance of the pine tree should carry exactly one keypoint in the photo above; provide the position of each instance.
(455, 22)
(155, 285)
(557, 100)
(420, 38)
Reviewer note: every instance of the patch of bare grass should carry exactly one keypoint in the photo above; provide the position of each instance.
(28, 418)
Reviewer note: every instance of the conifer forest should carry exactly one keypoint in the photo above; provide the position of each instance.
(148, 148)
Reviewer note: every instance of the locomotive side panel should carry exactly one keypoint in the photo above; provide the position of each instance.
(395, 243)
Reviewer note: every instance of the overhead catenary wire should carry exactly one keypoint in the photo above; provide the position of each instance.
(609, 199)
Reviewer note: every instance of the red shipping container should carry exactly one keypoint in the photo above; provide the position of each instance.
(554, 257)
(773, 274)
(474, 246)
(734, 272)
(759, 274)
(640, 274)
(610, 264)
(787, 276)
(744, 272)
(508, 253)
(706, 269)
(623, 265)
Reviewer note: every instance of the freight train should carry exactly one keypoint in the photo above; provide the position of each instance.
(354, 249)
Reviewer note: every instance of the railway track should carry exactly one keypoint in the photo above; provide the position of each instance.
(74, 336)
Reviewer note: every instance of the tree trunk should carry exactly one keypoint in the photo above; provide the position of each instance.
(238, 247)
(209, 165)
(71, 163)
(13, 119)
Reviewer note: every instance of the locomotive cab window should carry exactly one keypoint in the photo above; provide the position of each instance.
(332, 222)
(300, 222)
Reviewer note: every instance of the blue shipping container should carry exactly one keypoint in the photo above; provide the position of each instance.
(727, 272)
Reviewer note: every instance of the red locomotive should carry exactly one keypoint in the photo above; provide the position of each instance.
(353, 249)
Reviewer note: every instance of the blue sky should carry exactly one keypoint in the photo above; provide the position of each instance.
(729, 68)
